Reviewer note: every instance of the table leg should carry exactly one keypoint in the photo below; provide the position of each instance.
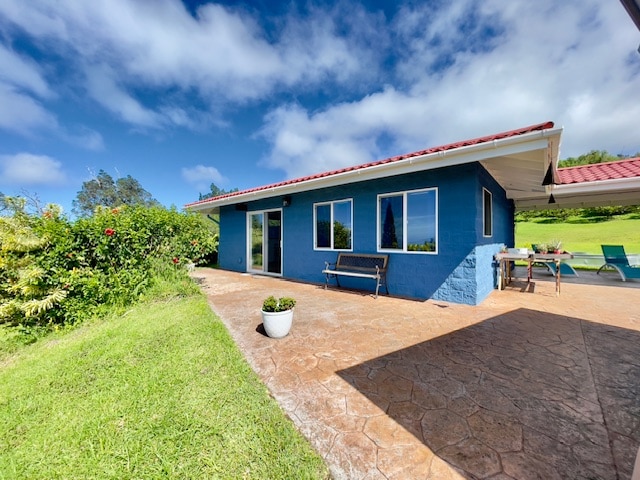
(557, 278)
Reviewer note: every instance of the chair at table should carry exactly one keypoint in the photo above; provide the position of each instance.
(565, 268)
(616, 258)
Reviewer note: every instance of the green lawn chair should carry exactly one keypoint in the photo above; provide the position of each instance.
(615, 257)
(565, 269)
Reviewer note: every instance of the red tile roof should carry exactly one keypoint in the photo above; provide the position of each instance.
(629, 168)
(442, 148)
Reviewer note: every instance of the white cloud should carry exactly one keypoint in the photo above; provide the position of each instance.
(26, 169)
(23, 93)
(21, 81)
(222, 54)
(435, 73)
(22, 73)
(342, 135)
(103, 87)
(201, 177)
(21, 113)
(468, 71)
(85, 138)
(24, 115)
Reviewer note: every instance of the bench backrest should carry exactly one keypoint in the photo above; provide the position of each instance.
(363, 262)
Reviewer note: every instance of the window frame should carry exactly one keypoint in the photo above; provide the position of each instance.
(405, 225)
(331, 204)
(486, 191)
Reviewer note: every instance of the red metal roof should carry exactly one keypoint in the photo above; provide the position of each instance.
(629, 168)
(450, 146)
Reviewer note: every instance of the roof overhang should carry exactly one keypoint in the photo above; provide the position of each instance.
(518, 163)
(633, 9)
(521, 173)
(623, 191)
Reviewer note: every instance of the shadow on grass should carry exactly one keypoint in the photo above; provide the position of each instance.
(525, 394)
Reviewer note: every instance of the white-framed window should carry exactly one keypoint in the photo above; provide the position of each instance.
(333, 225)
(408, 221)
(487, 213)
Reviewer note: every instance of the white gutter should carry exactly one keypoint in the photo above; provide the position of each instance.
(617, 184)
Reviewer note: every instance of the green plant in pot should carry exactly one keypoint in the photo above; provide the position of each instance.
(555, 246)
(277, 315)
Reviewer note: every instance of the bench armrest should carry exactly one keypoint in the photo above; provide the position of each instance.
(327, 265)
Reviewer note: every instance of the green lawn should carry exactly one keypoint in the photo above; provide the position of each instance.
(159, 392)
(582, 237)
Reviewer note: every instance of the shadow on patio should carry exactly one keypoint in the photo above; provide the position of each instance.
(522, 394)
(527, 385)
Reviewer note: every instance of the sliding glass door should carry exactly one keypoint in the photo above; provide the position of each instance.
(265, 242)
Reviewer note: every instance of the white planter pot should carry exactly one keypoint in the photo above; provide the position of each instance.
(277, 324)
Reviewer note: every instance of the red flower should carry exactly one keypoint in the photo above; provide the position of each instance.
(109, 231)
(175, 260)
(194, 242)
(115, 211)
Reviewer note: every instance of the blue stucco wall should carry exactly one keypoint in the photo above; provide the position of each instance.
(462, 271)
(232, 246)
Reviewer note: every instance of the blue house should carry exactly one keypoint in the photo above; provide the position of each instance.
(440, 214)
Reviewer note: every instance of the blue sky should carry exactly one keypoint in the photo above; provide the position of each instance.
(182, 94)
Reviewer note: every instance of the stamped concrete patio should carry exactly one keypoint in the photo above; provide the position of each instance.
(527, 385)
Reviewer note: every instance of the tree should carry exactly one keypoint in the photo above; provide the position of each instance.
(594, 156)
(103, 191)
(389, 237)
(341, 235)
(216, 192)
(28, 202)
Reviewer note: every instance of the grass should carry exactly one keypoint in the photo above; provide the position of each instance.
(582, 237)
(158, 392)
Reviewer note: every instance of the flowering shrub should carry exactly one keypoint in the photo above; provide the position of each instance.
(55, 271)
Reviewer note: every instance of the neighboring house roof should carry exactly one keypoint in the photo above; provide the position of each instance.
(599, 184)
(594, 172)
(518, 160)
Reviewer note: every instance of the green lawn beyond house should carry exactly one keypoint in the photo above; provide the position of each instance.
(159, 392)
(582, 237)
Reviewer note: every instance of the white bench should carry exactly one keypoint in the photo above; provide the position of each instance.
(358, 265)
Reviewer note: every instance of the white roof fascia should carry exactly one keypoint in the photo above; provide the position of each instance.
(616, 184)
(537, 140)
(579, 194)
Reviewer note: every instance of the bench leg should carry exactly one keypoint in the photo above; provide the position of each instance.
(380, 281)
(326, 280)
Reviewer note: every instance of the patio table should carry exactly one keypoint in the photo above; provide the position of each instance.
(504, 277)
